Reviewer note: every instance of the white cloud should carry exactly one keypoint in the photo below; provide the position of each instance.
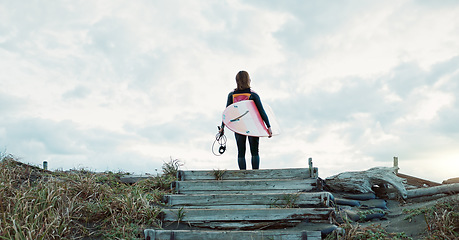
(114, 85)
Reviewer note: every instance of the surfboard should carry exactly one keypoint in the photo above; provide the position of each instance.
(243, 118)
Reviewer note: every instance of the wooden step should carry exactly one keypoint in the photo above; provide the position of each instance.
(186, 175)
(237, 215)
(262, 200)
(245, 225)
(244, 186)
(153, 234)
(288, 173)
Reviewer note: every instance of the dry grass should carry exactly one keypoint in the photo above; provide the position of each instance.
(79, 204)
(355, 231)
(442, 223)
(218, 174)
(442, 219)
(374, 231)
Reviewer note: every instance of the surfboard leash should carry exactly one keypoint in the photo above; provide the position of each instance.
(220, 138)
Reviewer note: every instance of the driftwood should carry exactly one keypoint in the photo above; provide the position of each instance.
(430, 191)
(363, 181)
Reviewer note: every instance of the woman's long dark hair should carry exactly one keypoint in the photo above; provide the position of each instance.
(242, 80)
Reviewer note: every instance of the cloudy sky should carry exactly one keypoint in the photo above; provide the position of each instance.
(126, 85)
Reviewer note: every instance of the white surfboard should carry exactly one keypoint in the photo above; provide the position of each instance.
(243, 118)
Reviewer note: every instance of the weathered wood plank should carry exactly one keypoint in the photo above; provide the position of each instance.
(451, 180)
(192, 187)
(245, 225)
(288, 173)
(268, 214)
(153, 234)
(287, 191)
(232, 207)
(324, 227)
(419, 182)
(262, 200)
(186, 175)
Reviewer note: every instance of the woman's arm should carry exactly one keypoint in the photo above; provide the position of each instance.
(261, 110)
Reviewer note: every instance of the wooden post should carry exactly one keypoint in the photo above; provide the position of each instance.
(311, 169)
(396, 164)
(45, 165)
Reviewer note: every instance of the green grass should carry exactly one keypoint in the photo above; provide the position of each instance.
(77, 204)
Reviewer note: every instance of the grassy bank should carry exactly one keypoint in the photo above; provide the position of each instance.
(77, 204)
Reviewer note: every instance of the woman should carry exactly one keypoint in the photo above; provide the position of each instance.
(243, 92)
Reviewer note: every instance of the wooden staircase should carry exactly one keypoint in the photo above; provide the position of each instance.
(244, 204)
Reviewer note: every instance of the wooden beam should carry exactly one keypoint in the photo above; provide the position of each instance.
(241, 186)
(156, 234)
(419, 182)
(245, 225)
(186, 175)
(268, 214)
(287, 173)
(262, 200)
(451, 180)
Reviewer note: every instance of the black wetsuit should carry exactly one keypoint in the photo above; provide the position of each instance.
(247, 94)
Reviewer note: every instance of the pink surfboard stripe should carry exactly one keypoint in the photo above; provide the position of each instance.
(250, 124)
(257, 117)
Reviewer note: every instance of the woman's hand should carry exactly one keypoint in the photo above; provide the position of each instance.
(270, 132)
